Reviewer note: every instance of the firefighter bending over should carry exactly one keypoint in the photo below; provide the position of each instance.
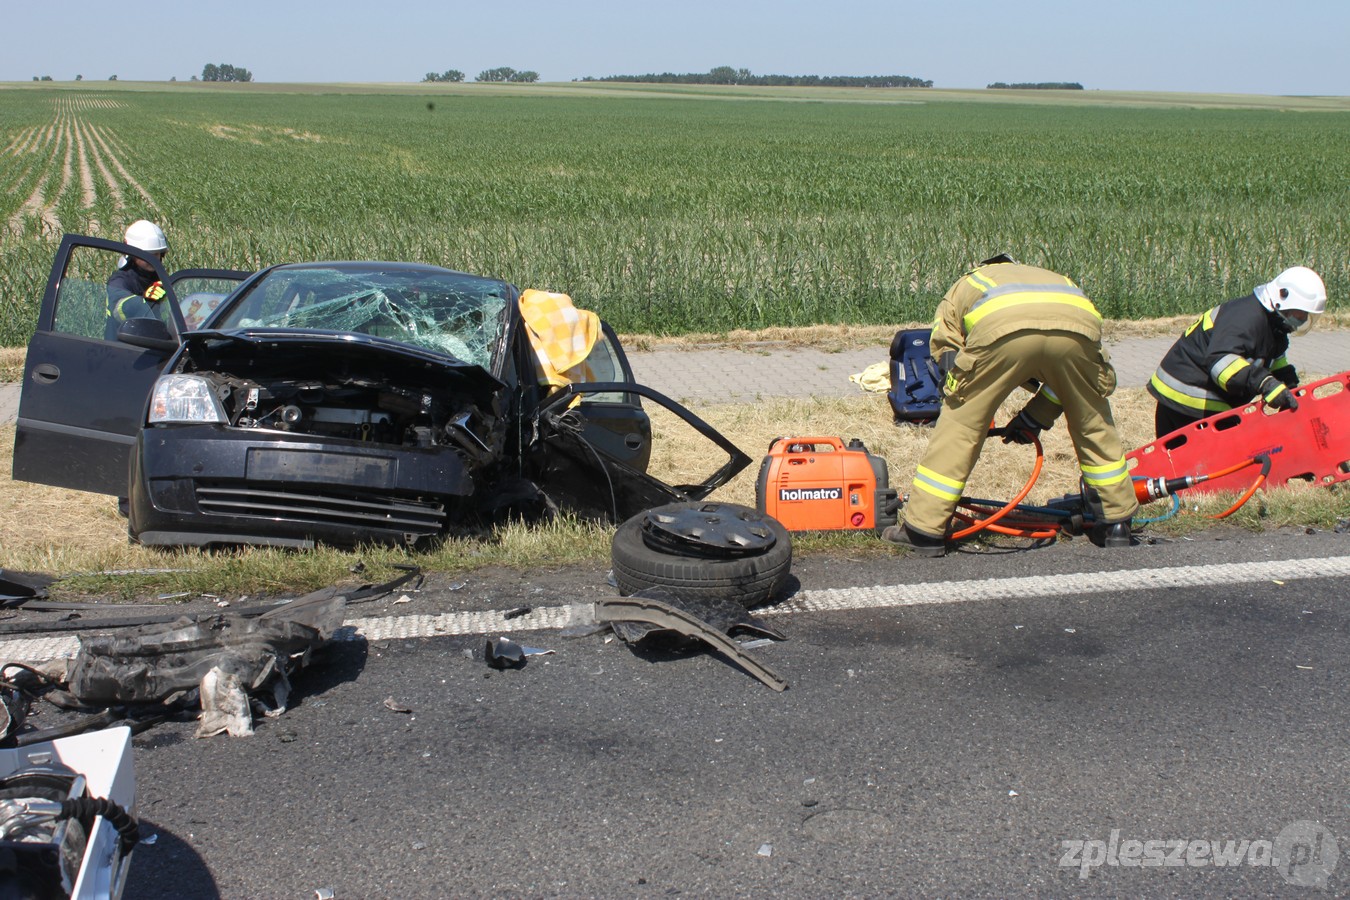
(1235, 352)
(1009, 324)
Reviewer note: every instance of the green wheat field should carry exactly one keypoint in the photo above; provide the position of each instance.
(671, 211)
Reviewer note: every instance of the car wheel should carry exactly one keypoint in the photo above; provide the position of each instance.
(705, 551)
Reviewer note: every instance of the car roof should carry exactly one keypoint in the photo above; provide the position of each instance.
(347, 265)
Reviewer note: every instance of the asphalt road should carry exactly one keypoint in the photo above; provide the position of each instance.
(1018, 741)
(923, 748)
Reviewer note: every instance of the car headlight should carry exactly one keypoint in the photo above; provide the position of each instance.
(184, 398)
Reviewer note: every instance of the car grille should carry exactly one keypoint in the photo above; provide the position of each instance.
(309, 507)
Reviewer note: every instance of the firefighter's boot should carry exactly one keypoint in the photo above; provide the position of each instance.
(920, 543)
(1111, 535)
(1102, 533)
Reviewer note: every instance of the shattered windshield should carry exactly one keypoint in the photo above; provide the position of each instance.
(447, 312)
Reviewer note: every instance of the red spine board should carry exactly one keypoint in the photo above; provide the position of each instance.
(1309, 444)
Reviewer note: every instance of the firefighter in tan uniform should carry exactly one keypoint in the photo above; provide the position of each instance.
(1010, 324)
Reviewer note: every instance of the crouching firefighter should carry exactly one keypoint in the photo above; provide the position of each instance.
(1003, 326)
(1236, 352)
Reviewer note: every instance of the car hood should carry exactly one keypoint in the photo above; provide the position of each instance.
(295, 352)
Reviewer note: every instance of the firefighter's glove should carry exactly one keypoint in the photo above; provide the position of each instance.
(154, 292)
(1277, 394)
(1021, 430)
(946, 361)
(941, 371)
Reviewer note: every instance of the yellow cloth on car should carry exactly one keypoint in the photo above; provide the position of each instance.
(562, 336)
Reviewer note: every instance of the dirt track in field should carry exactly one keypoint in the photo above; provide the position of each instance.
(71, 160)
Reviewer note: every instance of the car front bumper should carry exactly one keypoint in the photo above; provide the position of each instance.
(203, 485)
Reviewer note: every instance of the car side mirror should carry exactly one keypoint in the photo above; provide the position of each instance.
(152, 334)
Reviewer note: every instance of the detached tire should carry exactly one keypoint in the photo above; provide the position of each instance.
(746, 579)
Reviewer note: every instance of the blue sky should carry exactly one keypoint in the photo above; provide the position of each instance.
(1238, 46)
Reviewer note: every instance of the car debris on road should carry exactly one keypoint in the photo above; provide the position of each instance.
(646, 608)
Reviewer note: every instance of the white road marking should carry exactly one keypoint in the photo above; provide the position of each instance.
(389, 628)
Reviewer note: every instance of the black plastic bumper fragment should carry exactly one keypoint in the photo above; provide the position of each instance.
(663, 615)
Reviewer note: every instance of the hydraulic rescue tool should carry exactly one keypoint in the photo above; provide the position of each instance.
(1072, 513)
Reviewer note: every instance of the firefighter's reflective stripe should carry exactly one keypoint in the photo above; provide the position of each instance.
(1049, 395)
(1005, 296)
(938, 485)
(1100, 476)
(1228, 365)
(980, 282)
(1188, 395)
(119, 307)
(1206, 321)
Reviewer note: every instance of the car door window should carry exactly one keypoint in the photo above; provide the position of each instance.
(200, 292)
(82, 296)
(606, 362)
(603, 365)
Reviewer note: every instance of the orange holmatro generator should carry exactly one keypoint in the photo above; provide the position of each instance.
(819, 484)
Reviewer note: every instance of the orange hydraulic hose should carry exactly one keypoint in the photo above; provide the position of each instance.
(1046, 530)
(1260, 480)
(1041, 531)
(982, 524)
(1247, 495)
(1238, 467)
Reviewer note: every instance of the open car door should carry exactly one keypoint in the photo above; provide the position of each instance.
(614, 421)
(588, 472)
(84, 394)
(606, 456)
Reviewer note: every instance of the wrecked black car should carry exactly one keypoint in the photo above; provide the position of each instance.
(334, 402)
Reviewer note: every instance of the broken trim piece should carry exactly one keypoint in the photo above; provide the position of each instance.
(663, 615)
(274, 610)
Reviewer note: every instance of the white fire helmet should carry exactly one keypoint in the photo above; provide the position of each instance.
(1295, 290)
(147, 236)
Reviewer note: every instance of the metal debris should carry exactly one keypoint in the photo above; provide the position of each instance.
(503, 653)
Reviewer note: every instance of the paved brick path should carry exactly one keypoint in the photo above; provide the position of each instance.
(765, 370)
(722, 374)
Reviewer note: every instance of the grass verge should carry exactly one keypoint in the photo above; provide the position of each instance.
(81, 538)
